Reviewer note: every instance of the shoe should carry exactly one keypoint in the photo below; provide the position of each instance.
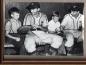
(68, 54)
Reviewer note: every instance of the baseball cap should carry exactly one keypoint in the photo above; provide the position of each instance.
(33, 5)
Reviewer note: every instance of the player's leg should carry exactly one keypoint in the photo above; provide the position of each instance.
(80, 36)
(69, 43)
(46, 42)
(30, 45)
(78, 43)
(56, 43)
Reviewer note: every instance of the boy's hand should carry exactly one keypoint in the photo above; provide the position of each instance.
(35, 26)
(57, 30)
(61, 28)
(17, 39)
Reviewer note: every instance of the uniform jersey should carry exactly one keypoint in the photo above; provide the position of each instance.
(31, 20)
(12, 25)
(72, 24)
(52, 26)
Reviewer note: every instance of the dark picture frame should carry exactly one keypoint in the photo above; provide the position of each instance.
(19, 59)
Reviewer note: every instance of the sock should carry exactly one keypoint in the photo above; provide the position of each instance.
(54, 51)
(68, 50)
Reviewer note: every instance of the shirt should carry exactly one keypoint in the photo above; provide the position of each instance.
(12, 25)
(52, 26)
(31, 20)
(72, 23)
(37, 19)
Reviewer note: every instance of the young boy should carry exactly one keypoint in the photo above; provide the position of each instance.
(12, 25)
(54, 24)
(54, 28)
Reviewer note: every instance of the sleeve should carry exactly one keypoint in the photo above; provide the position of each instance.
(58, 26)
(26, 20)
(44, 21)
(83, 26)
(8, 27)
(83, 21)
(64, 21)
(20, 24)
(49, 25)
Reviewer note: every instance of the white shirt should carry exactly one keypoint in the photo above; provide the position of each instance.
(30, 20)
(52, 26)
(70, 22)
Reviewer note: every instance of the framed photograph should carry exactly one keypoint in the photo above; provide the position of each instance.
(43, 31)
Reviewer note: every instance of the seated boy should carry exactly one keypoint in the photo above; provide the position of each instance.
(54, 28)
(54, 23)
(12, 25)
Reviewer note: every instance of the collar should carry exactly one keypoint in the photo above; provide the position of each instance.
(13, 20)
(74, 17)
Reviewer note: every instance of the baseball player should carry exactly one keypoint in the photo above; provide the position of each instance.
(72, 24)
(38, 20)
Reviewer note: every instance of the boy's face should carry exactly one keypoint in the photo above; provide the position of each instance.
(55, 18)
(15, 15)
(35, 11)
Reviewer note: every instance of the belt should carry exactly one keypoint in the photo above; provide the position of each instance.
(70, 29)
(36, 29)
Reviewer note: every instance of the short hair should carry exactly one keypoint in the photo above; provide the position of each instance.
(33, 5)
(74, 8)
(13, 9)
(55, 13)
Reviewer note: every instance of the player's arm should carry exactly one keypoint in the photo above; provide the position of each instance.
(44, 23)
(81, 23)
(27, 20)
(64, 23)
(8, 28)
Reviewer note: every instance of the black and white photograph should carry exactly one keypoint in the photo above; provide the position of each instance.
(44, 29)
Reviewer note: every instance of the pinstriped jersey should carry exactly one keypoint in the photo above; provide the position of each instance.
(72, 23)
(31, 20)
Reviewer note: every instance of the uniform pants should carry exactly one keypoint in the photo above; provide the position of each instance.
(70, 35)
(41, 38)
